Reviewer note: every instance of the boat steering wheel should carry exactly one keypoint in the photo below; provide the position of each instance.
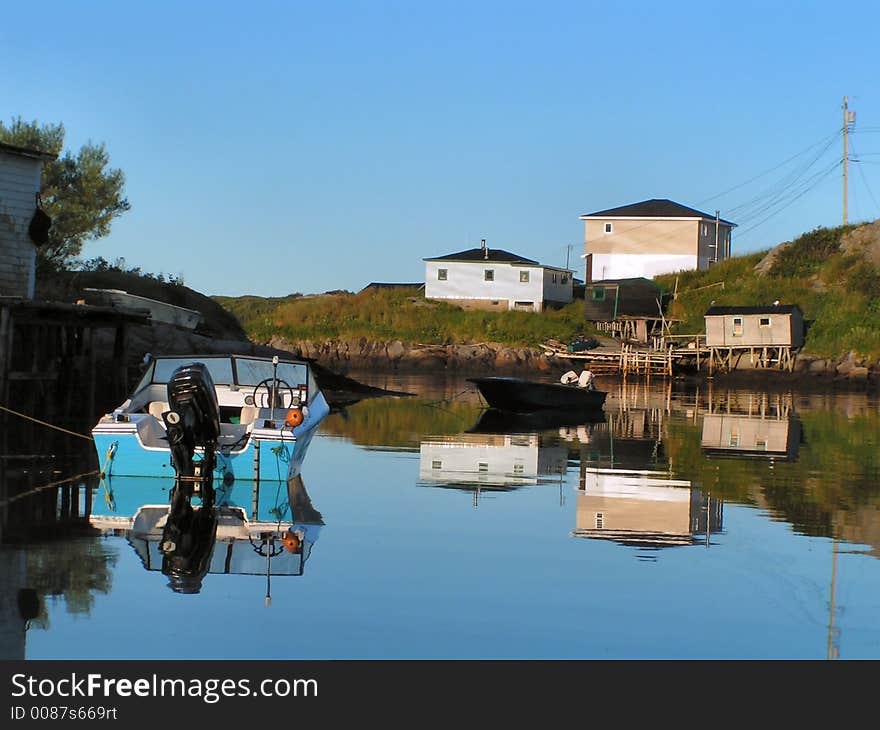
(264, 400)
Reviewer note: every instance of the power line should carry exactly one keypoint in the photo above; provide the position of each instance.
(865, 180)
(770, 195)
(772, 169)
(819, 177)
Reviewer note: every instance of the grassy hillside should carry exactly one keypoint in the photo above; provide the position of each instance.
(831, 274)
(397, 314)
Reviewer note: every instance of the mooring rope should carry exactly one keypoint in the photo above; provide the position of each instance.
(37, 490)
(438, 404)
(44, 423)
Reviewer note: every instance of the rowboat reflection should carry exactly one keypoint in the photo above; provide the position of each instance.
(493, 420)
(254, 528)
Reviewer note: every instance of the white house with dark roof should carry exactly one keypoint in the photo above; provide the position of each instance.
(20, 226)
(652, 237)
(490, 278)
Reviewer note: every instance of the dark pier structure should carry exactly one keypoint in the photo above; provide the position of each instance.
(62, 363)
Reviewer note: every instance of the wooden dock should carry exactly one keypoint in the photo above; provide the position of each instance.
(629, 359)
(668, 354)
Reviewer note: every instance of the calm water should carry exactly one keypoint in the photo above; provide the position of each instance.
(686, 524)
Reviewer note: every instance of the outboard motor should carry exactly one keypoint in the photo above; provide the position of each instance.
(193, 422)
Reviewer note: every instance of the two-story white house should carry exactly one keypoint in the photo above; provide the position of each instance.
(652, 237)
(20, 171)
(486, 278)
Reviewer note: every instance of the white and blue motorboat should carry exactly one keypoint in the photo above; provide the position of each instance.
(269, 410)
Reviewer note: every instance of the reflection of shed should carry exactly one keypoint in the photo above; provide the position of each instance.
(643, 508)
(769, 334)
(732, 434)
(633, 304)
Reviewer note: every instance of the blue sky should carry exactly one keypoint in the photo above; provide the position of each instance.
(276, 147)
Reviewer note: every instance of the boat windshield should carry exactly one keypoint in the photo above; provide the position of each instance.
(251, 372)
(229, 370)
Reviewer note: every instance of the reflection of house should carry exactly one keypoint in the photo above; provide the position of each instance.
(484, 278)
(735, 434)
(652, 237)
(643, 508)
(22, 225)
(500, 461)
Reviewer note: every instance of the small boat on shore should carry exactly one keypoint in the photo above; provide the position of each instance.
(259, 415)
(517, 395)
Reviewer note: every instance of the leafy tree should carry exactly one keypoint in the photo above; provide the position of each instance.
(80, 192)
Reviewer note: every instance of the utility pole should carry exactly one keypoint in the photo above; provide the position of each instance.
(716, 236)
(848, 119)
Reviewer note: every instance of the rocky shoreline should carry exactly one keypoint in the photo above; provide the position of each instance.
(395, 356)
(338, 358)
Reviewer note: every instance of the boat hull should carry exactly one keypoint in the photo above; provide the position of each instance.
(268, 455)
(516, 395)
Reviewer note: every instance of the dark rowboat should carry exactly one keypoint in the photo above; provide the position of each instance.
(526, 396)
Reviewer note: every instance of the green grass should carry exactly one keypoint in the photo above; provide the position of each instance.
(838, 293)
(395, 314)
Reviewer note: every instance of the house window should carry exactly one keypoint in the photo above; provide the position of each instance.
(483, 466)
(565, 278)
(761, 445)
(600, 520)
(489, 275)
(608, 228)
(737, 326)
(764, 322)
(599, 295)
(441, 274)
(733, 441)
(518, 469)
(524, 306)
(436, 464)
(554, 278)
(523, 277)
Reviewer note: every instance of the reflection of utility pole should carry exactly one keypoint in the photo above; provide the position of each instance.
(708, 516)
(833, 634)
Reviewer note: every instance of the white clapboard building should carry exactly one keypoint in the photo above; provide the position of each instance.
(490, 278)
(20, 171)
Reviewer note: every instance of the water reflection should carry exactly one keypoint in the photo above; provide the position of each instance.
(489, 461)
(761, 427)
(791, 573)
(257, 528)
